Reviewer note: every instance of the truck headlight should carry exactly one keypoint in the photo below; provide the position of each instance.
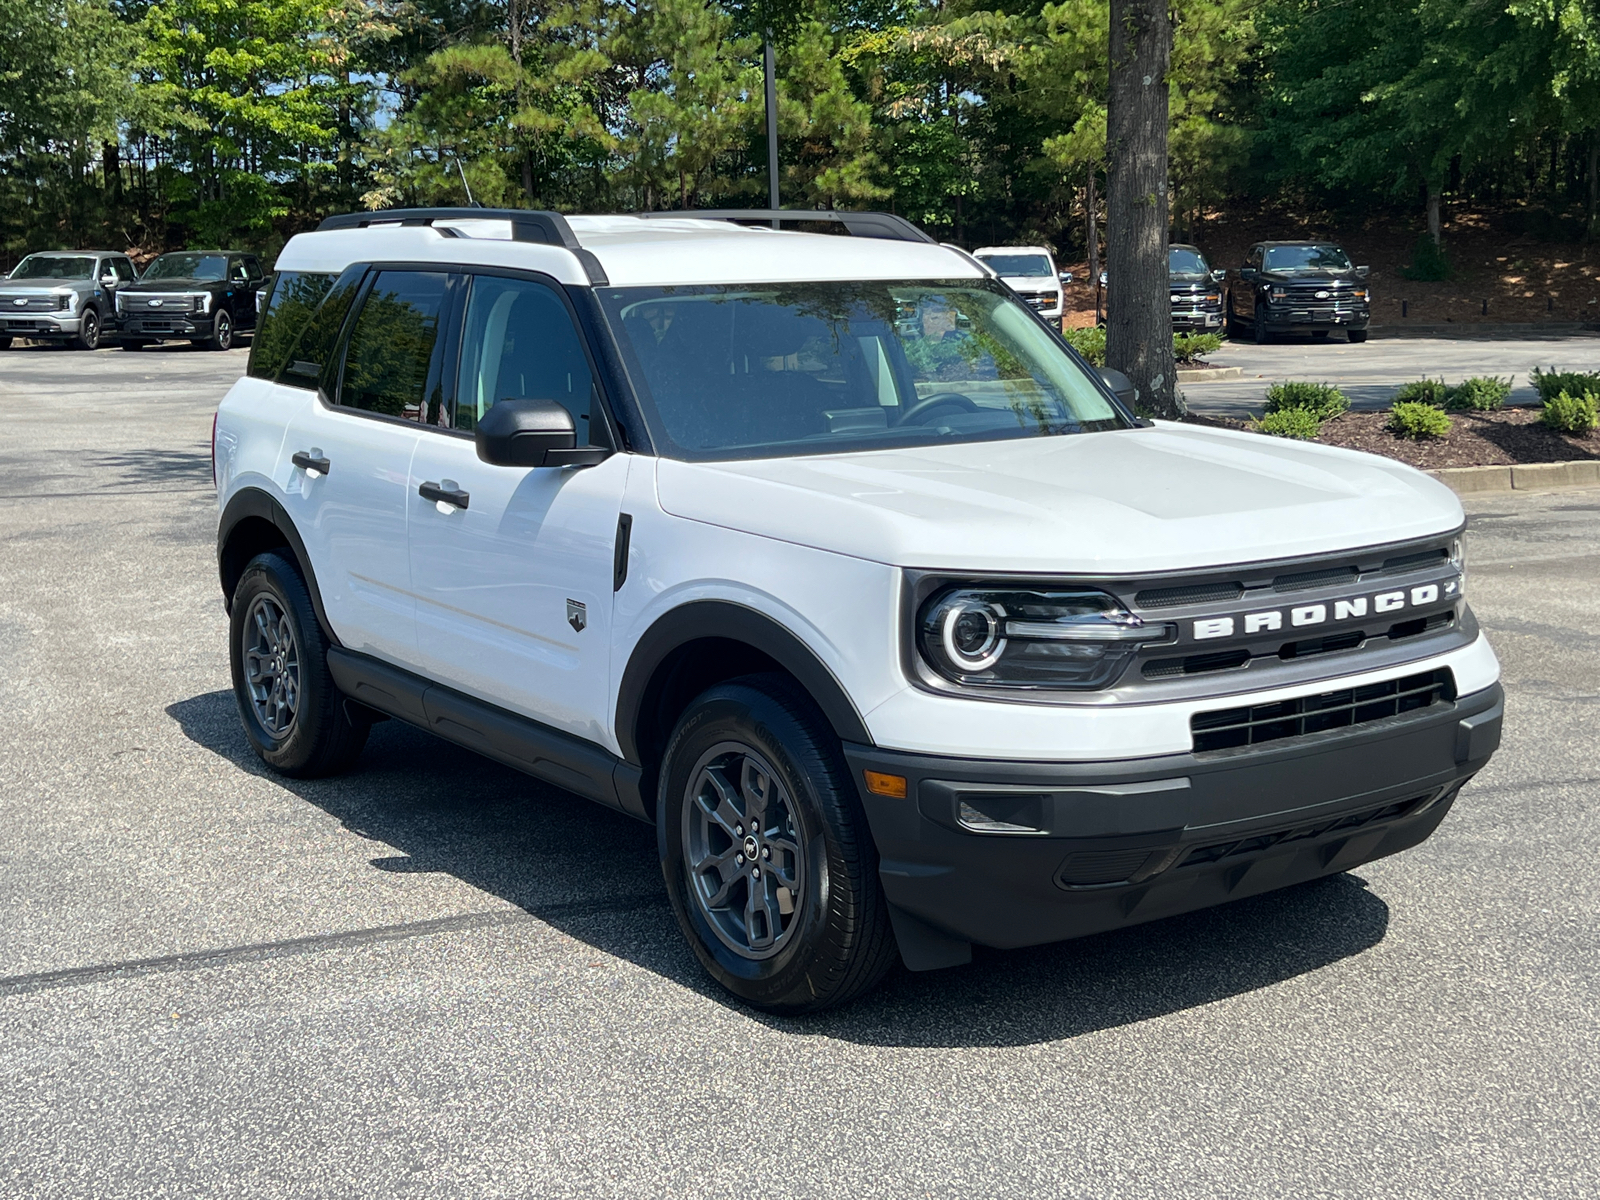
(202, 302)
(64, 302)
(1359, 294)
(1279, 293)
(1008, 638)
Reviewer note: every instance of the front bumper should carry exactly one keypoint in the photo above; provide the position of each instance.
(42, 325)
(1285, 318)
(1197, 320)
(1117, 843)
(174, 325)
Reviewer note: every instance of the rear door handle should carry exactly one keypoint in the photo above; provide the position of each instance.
(443, 495)
(310, 460)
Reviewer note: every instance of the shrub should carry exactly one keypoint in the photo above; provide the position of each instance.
(1481, 393)
(1429, 262)
(1299, 423)
(1577, 415)
(1321, 400)
(1192, 347)
(1414, 419)
(1089, 342)
(1552, 383)
(1422, 391)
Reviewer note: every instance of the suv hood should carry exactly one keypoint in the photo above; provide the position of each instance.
(43, 287)
(1029, 285)
(1316, 276)
(1172, 497)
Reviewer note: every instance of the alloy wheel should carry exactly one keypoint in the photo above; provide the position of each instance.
(223, 332)
(89, 330)
(271, 666)
(742, 851)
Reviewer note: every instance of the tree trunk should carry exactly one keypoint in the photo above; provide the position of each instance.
(1091, 205)
(1139, 317)
(1433, 213)
(527, 176)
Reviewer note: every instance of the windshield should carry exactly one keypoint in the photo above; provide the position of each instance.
(209, 267)
(1306, 258)
(55, 266)
(1186, 262)
(1012, 265)
(753, 371)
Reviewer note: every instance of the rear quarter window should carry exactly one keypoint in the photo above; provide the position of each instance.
(299, 321)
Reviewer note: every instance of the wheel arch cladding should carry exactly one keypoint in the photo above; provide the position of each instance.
(705, 643)
(253, 523)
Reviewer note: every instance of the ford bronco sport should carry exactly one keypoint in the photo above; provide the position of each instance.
(828, 557)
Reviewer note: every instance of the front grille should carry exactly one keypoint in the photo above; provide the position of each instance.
(1217, 851)
(1235, 728)
(168, 303)
(1040, 302)
(29, 304)
(1206, 593)
(1228, 660)
(1310, 579)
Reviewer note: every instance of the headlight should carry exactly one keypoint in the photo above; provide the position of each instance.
(202, 302)
(1279, 293)
(1359, 294)
(1214, 298)
(1070, 638)
(64, 302)
(119, 304)
(1458, 560)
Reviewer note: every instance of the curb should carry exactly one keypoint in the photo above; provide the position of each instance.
(1532, 477)
(1521, 329)
(1206, 374)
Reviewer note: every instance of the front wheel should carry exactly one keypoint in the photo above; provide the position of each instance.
(1260, 329)
(88, 330)
(1356, 336)
(221, 332)
(768, 861)
(293, 714)
(5, 343)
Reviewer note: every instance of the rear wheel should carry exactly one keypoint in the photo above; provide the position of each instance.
(295, 718)
(768, 861)
(1356, 336)
(88, 330)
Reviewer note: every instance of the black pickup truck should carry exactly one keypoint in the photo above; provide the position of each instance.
(1285, 287)
(204, 296)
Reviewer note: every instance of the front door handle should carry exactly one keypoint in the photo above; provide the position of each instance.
(452, 496)
(310, 461)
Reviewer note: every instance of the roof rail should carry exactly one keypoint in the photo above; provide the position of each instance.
(527, 225)
(856, 224)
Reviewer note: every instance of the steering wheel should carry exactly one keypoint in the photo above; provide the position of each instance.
(944, 399)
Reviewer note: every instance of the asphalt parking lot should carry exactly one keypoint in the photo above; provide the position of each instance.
(1369, 373)
(436, 977)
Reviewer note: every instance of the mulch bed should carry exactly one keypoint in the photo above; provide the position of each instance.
(1491, 439)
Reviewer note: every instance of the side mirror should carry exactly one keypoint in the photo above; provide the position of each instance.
(533, 433)
(1363, 272)
(108, 281)
(1104, 278)
(1219, 274)
(1121, 385)
(1247, 272)
(1065, 277)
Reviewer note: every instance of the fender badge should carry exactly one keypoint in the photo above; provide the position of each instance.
(577, 615)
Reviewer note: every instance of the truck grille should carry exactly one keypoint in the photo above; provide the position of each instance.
(1233, 728)
(8, 304)
(140, 302)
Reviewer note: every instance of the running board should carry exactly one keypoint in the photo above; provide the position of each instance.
(520, 742)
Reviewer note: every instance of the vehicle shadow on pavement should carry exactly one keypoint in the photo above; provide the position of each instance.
(593, 874)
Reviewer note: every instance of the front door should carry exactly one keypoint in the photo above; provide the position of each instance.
(512, 571)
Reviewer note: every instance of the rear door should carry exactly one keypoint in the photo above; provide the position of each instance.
(347, 457)
(513, 575)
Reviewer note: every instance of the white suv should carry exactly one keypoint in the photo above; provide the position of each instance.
(828, 557)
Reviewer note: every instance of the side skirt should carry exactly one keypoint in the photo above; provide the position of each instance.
(549, 754)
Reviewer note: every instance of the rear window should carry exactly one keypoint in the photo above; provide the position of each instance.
(292, 299)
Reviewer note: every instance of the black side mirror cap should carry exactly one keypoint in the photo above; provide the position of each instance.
(1121, 385)
(1247, 272)
(1363, 272)
(533, 433)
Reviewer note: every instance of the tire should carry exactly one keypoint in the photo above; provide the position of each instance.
(88, 331)
(221, 332)
(293, 715)
(5, 343)
(760, 744)
(1356, 336)
(1230, 327)
(1259, 329)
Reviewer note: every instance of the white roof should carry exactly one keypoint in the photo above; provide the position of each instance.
(1045, 250)
(637, 252)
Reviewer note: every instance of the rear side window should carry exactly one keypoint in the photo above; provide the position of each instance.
(294, 299)
(390, 366)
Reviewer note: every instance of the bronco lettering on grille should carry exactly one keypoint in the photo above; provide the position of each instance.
(1303, 615)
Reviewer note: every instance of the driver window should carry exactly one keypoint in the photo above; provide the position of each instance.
(518, 342)
(237, 273)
